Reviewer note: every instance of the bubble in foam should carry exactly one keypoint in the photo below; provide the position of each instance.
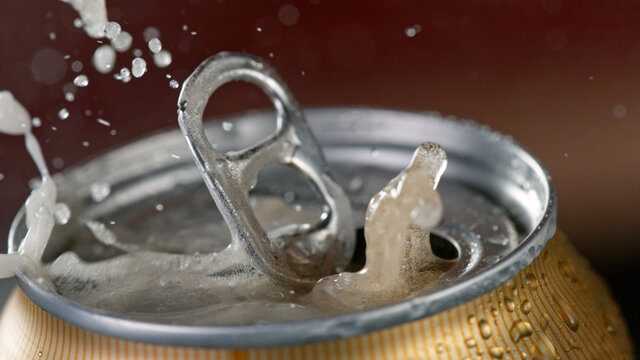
(99, 191)
(62, 213)
(162, 59)
(155, 45)
(111, 30)
(122, 42)
(138, 67)
(104, 58)
(81, 80)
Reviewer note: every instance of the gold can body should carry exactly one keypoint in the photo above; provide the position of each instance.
(556, 308)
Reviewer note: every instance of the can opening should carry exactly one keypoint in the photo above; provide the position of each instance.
(443, 247)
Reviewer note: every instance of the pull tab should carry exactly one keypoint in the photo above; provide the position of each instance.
(297, 254)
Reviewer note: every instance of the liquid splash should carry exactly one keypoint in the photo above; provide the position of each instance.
(40, 205)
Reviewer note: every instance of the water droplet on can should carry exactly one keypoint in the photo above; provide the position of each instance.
(485, 329)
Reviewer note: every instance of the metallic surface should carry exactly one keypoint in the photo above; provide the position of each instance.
(298, 255)
(374, 145)
(556, 308)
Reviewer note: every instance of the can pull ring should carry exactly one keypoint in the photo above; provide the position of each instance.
(300, 254)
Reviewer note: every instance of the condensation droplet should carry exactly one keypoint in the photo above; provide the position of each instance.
(496, 352)
(470, 342)
(485, 329)
(525, 307)
(519, 330)
(531, 281)
(567, 313)
(567, 271)
(511, 306)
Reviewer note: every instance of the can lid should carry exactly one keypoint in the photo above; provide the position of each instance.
(499, 211)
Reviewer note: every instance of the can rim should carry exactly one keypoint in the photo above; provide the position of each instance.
(314, 330)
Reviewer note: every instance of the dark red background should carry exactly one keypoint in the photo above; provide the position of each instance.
(547, 72)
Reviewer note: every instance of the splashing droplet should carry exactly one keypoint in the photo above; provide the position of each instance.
(138, 67)
(111, 30)
(81, 80)
(63, 114)
(155, 45)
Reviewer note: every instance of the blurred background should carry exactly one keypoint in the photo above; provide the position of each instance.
(562, 77)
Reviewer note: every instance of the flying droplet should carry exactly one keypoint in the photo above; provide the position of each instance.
(174, 84)
(111, 30)
(162, 59)
(63, 114)
(122, 42)
(104, 122)
(155, 45)
(81, 80)
(138, 67)
(104, 58)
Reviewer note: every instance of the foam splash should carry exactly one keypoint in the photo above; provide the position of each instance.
(40, 205)
(398, 220)
(93, 14)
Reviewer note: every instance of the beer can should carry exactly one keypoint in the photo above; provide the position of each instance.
(518, 288)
